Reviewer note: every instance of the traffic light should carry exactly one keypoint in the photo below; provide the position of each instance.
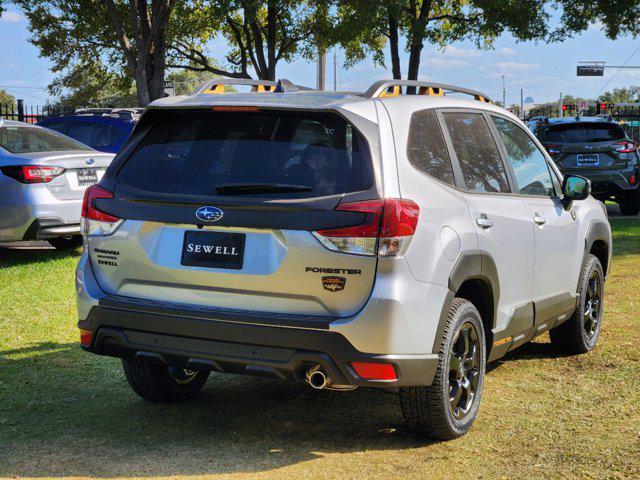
(566, 107)
(607, 106)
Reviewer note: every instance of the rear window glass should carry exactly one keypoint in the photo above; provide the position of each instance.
(35, 139)
(197, 153)
(582, 133)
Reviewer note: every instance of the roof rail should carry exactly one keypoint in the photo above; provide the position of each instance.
(392, 88)
(218, 85)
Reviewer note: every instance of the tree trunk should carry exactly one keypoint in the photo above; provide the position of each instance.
(393, 46)
(271, 39)
(142, 87)
(414, 60)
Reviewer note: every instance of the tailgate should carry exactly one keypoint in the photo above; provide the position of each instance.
(594, 156)
(283, 271)
(220, 210)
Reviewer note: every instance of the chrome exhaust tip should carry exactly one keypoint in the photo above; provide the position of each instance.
(316, 377)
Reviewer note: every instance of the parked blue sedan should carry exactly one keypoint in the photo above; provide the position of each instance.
(104, 129)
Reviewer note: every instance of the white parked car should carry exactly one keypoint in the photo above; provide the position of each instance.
(380, 239)
(43, 177)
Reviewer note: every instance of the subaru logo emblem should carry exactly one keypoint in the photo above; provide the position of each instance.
(209, 214)
(90, 161)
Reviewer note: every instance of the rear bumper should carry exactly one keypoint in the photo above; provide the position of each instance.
(608, 182)
(197, 340)
(31, 212)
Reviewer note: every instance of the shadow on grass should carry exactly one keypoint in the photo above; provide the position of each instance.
(64, 412)
(12, 254)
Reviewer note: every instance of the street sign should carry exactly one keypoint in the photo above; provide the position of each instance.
(583, 105)
(590, 71)
(169, 88)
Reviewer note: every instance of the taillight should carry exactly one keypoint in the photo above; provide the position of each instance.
(553, 149)
(387, 231)
(86, 336)
(94, 220)
(32, 173)
(626, 147)
(374, 371)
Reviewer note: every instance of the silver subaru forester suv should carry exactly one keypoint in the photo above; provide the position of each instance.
(399, 238)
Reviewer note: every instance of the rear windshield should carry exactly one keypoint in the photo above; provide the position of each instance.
(203, 153)
(583, 133)
(36, 139)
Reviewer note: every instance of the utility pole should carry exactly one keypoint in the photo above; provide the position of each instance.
(560, 111)
(335, 69)
(522, 103)
(504, 94)
(321, 71)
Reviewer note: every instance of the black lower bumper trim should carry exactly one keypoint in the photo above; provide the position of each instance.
(241, 348)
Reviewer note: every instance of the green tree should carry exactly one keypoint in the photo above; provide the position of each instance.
(366, 26)
(90, 85)
(617, 17)
(260, 35)
(622, 95)
(185, 81)
(130, 37)
(6, 98)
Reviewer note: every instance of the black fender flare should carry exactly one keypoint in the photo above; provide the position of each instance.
(475, 264)
(598, 230)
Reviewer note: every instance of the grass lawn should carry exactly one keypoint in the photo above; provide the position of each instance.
(65, 413)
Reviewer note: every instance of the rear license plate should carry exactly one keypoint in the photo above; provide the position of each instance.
(213, 249)
(87, 177)
(589, 160)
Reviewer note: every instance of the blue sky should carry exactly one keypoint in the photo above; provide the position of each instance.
(542, 70)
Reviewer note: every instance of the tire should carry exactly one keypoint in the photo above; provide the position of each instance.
(66, 243)
(580, 333)
(161, 384)
(429, 411)
(630, 204)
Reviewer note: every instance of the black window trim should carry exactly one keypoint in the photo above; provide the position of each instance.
(457, 170)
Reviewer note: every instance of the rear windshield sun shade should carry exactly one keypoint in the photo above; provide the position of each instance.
(268, 153)
(583, 133)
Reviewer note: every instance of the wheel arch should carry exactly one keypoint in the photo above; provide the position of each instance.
(598, 243)
(474, 278)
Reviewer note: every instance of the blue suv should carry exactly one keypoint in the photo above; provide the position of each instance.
(104, 129)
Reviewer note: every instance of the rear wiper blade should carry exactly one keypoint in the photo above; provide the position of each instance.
(239, 188)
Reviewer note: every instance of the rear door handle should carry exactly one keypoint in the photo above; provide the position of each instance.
(484, 222)
(539, 220)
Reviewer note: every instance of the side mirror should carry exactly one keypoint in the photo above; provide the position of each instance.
(574, 187)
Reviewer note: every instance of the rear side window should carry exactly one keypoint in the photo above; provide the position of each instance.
(426, 148)
(583, 133)
(528, 163)
(478, 155)
(204, 153)
(34, 140)
(94, 135)
(57, 125)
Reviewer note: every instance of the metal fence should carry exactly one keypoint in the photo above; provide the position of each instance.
(30, 114)
(625, 114)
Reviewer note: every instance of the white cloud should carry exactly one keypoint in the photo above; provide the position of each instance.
(444, 62)
(516, 65)
(506, 51)
(10, 17)
(462, 52)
